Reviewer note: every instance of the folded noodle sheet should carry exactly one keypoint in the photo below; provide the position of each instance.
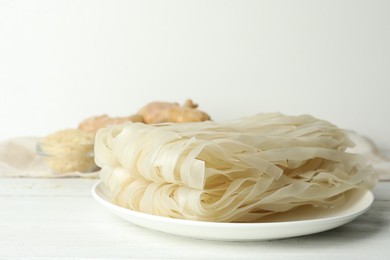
(237, 171)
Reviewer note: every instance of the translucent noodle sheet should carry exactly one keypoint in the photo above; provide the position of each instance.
(237, 171)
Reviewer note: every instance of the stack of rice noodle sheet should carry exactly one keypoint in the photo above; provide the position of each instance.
(236, 171)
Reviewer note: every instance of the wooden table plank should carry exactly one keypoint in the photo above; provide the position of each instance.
(54, 218)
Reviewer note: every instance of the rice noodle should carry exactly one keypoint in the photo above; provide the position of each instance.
(237, 171)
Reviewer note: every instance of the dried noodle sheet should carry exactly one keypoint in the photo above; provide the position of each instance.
(237, 171)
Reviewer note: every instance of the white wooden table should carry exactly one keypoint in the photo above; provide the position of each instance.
(58, 218)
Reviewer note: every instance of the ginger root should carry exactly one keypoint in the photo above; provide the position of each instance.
(160, 112)
(92, 124)
(152, 113)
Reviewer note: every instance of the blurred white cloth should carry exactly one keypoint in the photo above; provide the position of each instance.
(379, 160)
(19, 159)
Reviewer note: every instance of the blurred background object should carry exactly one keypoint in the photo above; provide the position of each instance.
(63, 61)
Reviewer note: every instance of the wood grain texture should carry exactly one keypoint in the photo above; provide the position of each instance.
(58, 218)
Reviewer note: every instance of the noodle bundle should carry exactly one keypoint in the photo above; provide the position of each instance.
(237, 171)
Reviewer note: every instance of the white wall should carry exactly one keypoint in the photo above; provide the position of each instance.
(61, 61)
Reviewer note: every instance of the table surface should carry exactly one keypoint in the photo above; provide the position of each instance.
(58, 218)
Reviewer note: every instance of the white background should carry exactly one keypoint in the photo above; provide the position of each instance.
(62, 61)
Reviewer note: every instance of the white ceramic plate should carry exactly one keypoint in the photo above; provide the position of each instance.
(299, 222)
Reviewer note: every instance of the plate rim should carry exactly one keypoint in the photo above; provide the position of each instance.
(341, 219)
